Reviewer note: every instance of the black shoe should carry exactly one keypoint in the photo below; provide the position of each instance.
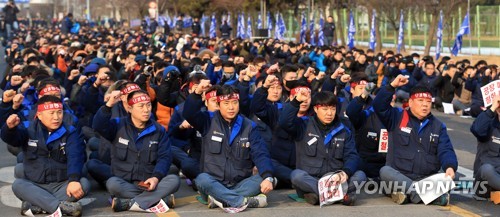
(26, 206)
(120, 204)
(349, 199)
(71, 208)
(311, 198)
(170, 201)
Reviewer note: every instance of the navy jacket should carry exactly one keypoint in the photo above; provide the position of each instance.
(135, 155)
(202, 122)
(339, 152)
(48, 158)
(486, 129)
(368, 127)
(418, 148)
(282, 145)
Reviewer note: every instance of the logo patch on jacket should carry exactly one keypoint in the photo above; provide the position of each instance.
(123, 141)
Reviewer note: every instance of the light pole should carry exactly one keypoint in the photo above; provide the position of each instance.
(88, 10)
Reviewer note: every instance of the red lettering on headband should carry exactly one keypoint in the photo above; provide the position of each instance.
(210, 95)
(139, 99)
(421, 95)
(362, 82)
(130, 89)
(297, 90)
(48, 89)
(228, 97)
(50, 106)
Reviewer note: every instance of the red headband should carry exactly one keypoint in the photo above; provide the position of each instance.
(422, 95)
(130, 89)
(322, 105)
(228, 97)
(139, 99)
(297, 90)
(50, 106)
(210, 95)
(191, 84)
(362, 82)
(49, 89)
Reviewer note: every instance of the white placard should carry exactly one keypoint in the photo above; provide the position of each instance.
(329, 191)
(489, 92)
(433, 186)
(448, 108)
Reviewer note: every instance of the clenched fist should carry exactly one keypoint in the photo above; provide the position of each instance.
(13, 121)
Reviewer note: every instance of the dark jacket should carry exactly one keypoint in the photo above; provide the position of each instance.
(486, 129)
(48, 158)
(368, 129)
(417, 148)
(230, 150)
(329, 29)
(135, 155)
(320, 149)
(10, 13)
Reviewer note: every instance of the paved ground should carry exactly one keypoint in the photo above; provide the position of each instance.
(96, 204)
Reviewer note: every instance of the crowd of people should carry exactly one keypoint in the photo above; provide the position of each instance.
(238, 118)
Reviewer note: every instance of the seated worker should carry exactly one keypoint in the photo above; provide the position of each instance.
(419, 145)
(140, 156)
(324, 145)
(231, 146)
(486, 128)
(50, 176)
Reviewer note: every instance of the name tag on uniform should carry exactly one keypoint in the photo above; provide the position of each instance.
(123, 141)
(216, 138)
(312, 141)
(372, 134)
(406, 129)
(383, 144)
(32, 143)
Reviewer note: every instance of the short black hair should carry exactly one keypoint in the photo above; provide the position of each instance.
(324, 98)
(226, 90)
(47, 82)
(420, 89)
(430, 63)
(48, 99)
(357, 77)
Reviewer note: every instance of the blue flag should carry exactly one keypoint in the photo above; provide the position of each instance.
(238, 27)
(282, 26)
(277, 33)
(321, 37)
(439, 35)
(259, 22)
(188, 22)
(204, 19)
(303, 29)
(351, 32)
(311, 29)
(373, 37)
(464, 30)
(401, 35)
(213, 33)
(249, 27)
(269, 24)
(161, 21)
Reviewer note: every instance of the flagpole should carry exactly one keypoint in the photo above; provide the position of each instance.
(470, 32)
